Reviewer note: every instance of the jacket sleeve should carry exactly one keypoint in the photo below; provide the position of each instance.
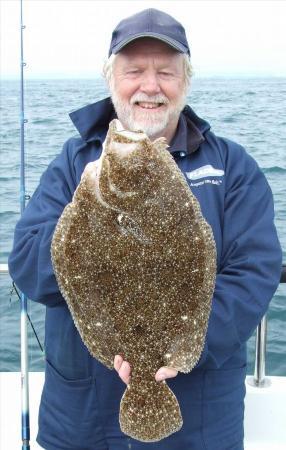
(30, 260)
(250, 266)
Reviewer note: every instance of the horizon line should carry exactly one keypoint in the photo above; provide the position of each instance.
(96, 76)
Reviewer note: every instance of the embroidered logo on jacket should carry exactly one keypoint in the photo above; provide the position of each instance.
(203, 172)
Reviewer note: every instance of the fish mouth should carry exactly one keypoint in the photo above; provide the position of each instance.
(150, 105)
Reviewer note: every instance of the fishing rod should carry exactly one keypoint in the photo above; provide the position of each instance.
(24, 338)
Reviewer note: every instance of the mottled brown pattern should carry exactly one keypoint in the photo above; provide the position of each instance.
(136, 263)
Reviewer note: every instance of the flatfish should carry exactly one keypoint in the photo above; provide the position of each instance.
(136, 263)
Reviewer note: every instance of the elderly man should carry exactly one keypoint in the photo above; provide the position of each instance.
(148, 73)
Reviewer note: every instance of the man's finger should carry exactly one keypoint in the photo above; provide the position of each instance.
(165, 372)
(118, 360)
(124, 372)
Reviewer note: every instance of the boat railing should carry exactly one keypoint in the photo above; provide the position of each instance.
(4, 268)
(259, 379)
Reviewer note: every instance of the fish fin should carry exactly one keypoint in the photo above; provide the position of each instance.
(160, 143)
(152, 416)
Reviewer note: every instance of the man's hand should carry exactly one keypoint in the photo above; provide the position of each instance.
(124, 370)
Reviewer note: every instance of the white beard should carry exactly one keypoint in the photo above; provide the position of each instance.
(151, 122)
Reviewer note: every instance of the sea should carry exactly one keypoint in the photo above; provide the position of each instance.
(250, 111)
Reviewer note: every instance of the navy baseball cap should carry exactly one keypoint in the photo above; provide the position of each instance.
(149, 23)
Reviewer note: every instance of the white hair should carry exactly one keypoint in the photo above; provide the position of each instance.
(107, 70)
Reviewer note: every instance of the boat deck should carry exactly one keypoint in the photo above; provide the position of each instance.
(265, 415)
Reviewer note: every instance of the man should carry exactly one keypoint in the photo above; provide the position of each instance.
(148, 74)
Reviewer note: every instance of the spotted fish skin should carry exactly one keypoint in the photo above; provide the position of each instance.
(136, 262)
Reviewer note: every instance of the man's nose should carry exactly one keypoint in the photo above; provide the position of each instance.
(150, 84)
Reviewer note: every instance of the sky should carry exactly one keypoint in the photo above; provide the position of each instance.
(70, 38)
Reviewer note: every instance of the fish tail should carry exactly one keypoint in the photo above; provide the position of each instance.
(149, 413)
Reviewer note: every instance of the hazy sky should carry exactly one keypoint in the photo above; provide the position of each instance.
(70, 38)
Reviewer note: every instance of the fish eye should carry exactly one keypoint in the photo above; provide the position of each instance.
(119, 218)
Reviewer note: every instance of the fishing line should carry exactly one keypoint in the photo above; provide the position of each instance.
(14, 289)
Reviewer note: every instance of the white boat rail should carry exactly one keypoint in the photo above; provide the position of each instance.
(4, 268)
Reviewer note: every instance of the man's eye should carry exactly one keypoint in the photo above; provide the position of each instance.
(165, 74)
(133, 71)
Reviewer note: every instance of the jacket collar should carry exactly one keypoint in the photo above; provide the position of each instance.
(187, 138)
(92, 121)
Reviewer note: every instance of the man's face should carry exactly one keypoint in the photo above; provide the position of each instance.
(148, 88)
